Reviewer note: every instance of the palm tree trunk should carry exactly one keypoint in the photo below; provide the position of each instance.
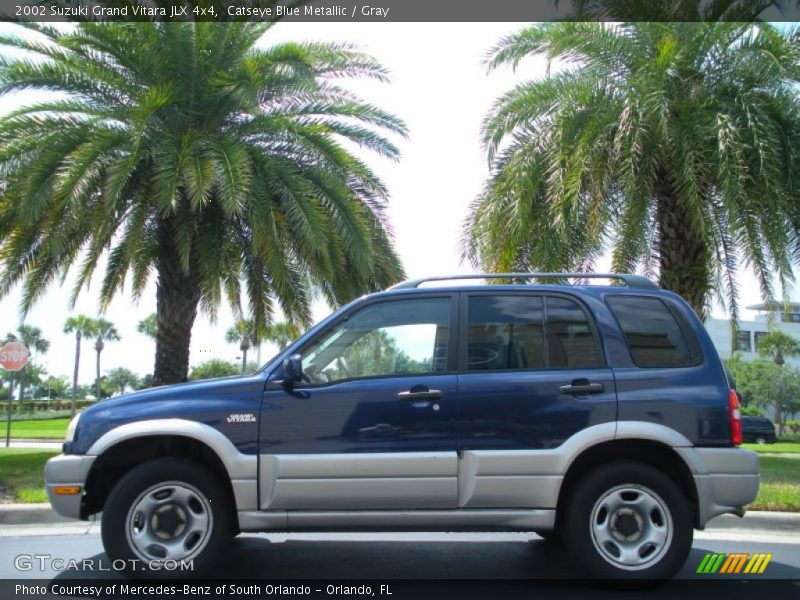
(74, 406)
(779, 405)
(244, 360)
(683, 252)
(97, 380)
(177, 298)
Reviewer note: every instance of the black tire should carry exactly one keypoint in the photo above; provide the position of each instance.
(211, 502)
(580, 522)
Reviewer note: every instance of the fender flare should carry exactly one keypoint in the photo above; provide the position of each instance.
(238, 465)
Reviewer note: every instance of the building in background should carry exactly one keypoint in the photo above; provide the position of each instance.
(750, 332)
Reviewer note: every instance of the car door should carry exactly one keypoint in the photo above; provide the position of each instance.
(532, 374)
(373, 423)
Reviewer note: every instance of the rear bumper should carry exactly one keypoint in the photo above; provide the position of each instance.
(726, 479)
(67, 470)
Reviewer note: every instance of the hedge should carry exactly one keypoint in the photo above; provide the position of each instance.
(39, 405)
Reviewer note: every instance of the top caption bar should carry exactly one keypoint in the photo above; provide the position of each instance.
(333, 11)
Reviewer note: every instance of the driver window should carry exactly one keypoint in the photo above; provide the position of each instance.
(387, 338)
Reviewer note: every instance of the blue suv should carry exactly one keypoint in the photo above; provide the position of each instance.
(598, 416)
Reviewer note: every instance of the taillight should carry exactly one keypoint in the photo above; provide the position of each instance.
(735, 416)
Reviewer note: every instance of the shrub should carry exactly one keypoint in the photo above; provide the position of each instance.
(39, 408)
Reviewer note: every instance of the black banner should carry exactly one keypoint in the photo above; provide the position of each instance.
(373, 11)
(441, 589)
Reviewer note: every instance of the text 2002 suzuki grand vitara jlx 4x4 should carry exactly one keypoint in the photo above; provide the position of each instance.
(597, 415)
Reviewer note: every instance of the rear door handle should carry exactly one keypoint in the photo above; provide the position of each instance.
(581, 386)
(420, 396)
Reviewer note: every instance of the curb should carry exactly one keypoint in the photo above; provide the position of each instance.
(36, 514)
(760, 520)
(30, 514)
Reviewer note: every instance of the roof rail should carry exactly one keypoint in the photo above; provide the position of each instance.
(631, 281)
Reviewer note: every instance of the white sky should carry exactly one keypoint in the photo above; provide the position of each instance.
(440, 87)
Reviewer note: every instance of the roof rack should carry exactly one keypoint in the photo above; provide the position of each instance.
(631, 281)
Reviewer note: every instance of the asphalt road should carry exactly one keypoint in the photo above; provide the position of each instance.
(384, 556)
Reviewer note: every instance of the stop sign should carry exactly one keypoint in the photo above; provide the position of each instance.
(14, 356)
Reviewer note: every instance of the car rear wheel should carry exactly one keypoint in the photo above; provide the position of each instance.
(164, 513)
(627, 520)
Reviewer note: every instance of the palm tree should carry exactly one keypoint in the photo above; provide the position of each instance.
(242, 333)
(281, 334)
(82, 326)
(192, 151)
(104, 331)
(674, 145)
(148, 326)
(33, 340)
(779, 346)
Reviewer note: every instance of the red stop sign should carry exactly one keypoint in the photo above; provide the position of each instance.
(14, 356)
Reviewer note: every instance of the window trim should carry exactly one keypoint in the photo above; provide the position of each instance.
(757, 336)
(749, 340)
(452, 341)
(692, 344)
(464, 331)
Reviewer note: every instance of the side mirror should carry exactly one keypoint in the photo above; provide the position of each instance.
(292, 369)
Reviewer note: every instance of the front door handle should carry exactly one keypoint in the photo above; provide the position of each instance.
(425, 395)
(581, 386)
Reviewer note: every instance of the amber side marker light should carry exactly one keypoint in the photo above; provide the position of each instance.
(66, 490)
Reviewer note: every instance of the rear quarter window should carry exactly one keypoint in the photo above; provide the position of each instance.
(655, 337)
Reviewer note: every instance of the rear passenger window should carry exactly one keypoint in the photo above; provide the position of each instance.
(571, 342)
(654, 336)
(529, 332)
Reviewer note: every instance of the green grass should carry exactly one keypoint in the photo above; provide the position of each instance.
(22, 474)
(777, 448)
(780, 484)
(38, 429)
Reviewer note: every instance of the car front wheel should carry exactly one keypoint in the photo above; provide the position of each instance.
(166, 514)
(627, 520)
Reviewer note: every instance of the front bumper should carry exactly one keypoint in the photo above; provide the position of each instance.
(67, 470)
(726, 479)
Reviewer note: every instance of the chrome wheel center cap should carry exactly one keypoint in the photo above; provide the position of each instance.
(626, 525)
(168, 521)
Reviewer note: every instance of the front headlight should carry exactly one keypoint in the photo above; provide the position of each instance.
(73, 424)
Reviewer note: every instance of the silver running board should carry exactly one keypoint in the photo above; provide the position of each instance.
(399, 520)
